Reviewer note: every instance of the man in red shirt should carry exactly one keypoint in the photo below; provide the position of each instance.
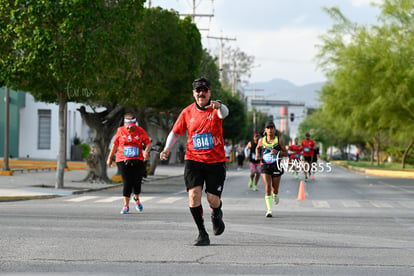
(205, 160)
(294, 156)
(308, 146)
(128, 145)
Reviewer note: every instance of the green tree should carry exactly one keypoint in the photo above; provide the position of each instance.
(370, 89)
(113, 82)
(152, 78)
(235, 125)
(261, 119)
(47, 45)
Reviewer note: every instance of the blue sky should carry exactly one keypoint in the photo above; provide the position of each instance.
(280, 34)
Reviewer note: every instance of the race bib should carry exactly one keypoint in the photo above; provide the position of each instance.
(131, 151)
(203, 141)
(306, 149)
(297, 155)
(268, 157)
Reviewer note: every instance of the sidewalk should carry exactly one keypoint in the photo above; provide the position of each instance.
(41, 184)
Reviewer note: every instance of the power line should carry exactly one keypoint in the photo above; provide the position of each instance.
(194, 14)
(221, 38)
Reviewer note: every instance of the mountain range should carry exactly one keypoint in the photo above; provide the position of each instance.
(280, 89)
(284, 90)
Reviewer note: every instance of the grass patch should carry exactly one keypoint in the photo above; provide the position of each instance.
(368, 165)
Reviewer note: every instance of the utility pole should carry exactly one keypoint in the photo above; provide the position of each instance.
(194, 15)
(254, 110)
(233, 81)
(221, 38)
(6, 128)
(234, 78)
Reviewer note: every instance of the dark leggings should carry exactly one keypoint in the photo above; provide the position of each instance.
(240, 160)
(132, 172)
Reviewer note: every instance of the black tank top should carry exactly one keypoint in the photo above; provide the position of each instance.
(252, 154)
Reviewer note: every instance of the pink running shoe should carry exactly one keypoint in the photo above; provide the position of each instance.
(125, 210)
(139, 206)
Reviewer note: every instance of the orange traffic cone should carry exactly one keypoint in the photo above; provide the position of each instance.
(301, 192)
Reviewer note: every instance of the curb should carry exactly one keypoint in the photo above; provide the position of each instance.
(73, 192)
(379, 172)
(6, 173)
(19, 198)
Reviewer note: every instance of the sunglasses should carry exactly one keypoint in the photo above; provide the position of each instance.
(201, 89)
(133, 120)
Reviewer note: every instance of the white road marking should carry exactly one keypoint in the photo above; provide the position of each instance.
(320, 204)
(82, 198)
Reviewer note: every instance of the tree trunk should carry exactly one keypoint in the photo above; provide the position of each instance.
(104, 124)
(62, 146)
(406, 151)
(371, 145)
(378, 150)
(142, 114)
(154, 162)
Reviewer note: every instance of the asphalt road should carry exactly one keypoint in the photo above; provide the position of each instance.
(349, 224)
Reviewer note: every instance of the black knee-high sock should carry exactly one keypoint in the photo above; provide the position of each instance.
(197, 213)
(216, 211)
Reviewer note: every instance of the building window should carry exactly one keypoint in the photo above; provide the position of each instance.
(44, 129)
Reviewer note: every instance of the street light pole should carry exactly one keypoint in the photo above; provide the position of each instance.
(254, 110)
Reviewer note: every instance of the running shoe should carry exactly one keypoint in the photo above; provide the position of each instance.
(254, 188)
(250, 183)
(312, 177)
(125, 210)
(276, 198)
(218, 224)
(202, 239)
(139, 206)
(269, 214)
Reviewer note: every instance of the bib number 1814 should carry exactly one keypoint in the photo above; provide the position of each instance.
(203, 141)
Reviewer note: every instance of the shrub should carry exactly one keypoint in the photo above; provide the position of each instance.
(86, 149)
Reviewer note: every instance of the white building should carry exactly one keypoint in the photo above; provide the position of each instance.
(39, 132)
(34, 129)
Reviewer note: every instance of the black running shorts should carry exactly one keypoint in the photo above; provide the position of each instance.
(198, 173)
(274, 169)
(308, 159)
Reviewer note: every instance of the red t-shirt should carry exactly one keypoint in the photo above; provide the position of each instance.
(295, 149)
(308, 146)
(205, 134)
(130, 146)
